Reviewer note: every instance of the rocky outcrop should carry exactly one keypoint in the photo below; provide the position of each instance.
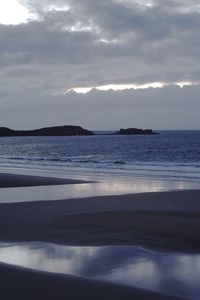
(135, 131)
(67, 130)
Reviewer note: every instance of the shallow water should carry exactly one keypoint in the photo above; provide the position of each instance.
(170, 273)
(103, 184)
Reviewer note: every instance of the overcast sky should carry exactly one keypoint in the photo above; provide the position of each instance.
(50, 47)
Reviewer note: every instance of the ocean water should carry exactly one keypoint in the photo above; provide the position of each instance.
(169, 155)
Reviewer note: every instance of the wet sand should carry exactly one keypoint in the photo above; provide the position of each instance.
(164, 221)
(18, 283)
(15, 180)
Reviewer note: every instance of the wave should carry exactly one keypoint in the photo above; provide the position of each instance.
(169, 155)
(143, 169)
(119, 163)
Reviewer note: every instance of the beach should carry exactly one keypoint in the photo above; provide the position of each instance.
(164, 221)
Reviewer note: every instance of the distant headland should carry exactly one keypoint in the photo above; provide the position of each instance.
(68, 130)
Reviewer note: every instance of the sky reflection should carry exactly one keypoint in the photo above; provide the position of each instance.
(171, 273)
(101, 185)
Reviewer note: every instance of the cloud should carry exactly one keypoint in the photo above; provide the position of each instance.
(92, 43)
(102, 42)
(170, 107)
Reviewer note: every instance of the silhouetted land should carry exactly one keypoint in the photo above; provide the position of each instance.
(67, 130)
(128, 131)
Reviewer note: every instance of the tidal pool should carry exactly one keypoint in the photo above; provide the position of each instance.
(170, 273)
(99, 184)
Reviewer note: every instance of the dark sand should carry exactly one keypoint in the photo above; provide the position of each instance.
(15, 180)
(165, 220)
(23, 284)
(168, 221)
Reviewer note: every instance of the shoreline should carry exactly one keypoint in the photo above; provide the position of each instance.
(164, 221)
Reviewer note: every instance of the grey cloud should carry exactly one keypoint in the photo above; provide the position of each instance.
(167, 108)
(147, 39)
(114, 17)
(97, 43)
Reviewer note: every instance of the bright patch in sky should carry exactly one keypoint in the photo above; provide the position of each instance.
(58, 8)
(116, 87)
(121, 87)
(12, 12)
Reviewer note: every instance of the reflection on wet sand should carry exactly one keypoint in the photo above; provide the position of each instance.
(171, 273)
(101, 187)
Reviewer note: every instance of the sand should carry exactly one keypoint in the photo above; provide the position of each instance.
(18, 283)
(15, 180)
(167, 221)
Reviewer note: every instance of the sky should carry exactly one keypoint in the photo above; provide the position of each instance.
(100, 64)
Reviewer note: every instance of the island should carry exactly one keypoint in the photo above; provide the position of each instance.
(69, 130)
(66, 130)
(135, 131)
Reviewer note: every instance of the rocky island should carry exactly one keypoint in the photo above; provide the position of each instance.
(67, 130)
(135, 131)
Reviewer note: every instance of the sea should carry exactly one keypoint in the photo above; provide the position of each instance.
(120, 164)
(170, 154)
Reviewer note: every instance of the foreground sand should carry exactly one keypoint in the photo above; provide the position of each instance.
(22, 284)
(166, 221)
